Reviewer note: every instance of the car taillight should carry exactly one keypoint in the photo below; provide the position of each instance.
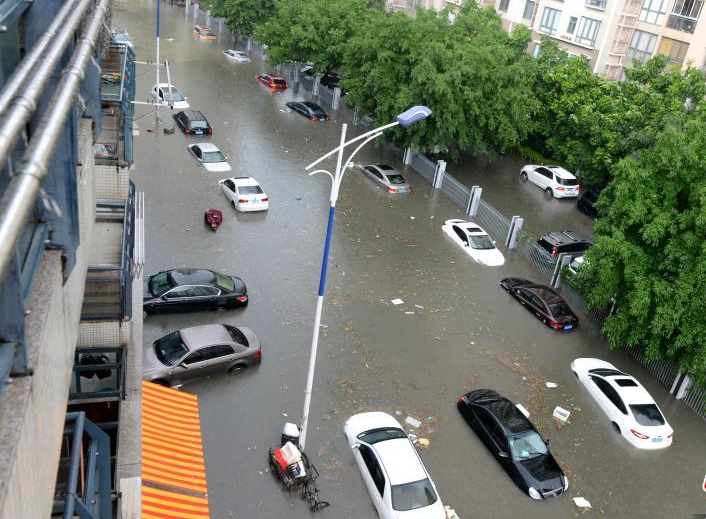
(328, 117)
(392, 190)
(258, 354)
(555, 251)
(460, 399)
(556, 326)
(210, 131)
(670, 436)
(242, 200)
(242, 299)
(559, 188)
(265, 199)
(639, 435)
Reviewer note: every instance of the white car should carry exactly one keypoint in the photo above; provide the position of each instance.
(237, 56)
(399, 484)
(387, 176)
(628, 405)
(575, 264)
(245, 194)
(554, 180)
(209, 156)
(475, 241)
(161, 94)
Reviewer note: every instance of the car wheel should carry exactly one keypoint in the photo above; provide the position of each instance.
(236, 368)
(161, 382)
(616, 427)
(523, 176)
(549, 192)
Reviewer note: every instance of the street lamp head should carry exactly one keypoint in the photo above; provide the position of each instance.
(414, 114)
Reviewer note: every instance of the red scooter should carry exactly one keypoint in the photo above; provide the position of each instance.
(213, 218)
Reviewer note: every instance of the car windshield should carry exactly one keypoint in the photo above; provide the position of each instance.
(567, 181)
(481, 242)
(278, 81)
(647, 414)
(249, 190)
(160, 283)
(527, 446)
(379, 435)
(236, 335)
(560, 310)
(395, 179)
(411, 496)
(170, 348)
(176, 95)
(225, 281)
(199, 124)
(122, 38)
(213, 156)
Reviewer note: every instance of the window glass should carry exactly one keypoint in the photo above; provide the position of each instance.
(179, 292)
(560, 310)
(236, 335)
(411, 496)
(373, 467)
(545, 172)
(482, 242)
(196, 356)
(199, 124)
(213, 156)
(572, 25)
(222, 350)
(176, 95)
(202, 290)
(527, 446)
(610, 393)
(160, 283)
(395, 179)
(250, 190)
(225, 282)
(379, 435)
(588, 31)
(197, 151)
(529, 10)
(278, 81)
(653, 11)
(625, 382)
(504, 4)
(550, 20)
(642, 45)
(647, 414)
(461, 234)
(567, 181)
(674, 50)
(170, 348)
(537, 301)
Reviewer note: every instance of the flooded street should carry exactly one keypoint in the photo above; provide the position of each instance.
(456, 330)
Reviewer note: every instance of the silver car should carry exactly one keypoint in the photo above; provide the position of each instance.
(387, 176)
(200, 351)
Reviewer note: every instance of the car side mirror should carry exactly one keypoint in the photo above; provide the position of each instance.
(163, 298)
(413, 438)
(503, 454)
(546, 442)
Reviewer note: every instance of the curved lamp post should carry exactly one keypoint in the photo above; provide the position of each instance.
(411, 116)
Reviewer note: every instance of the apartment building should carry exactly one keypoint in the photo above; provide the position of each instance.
(70, 245)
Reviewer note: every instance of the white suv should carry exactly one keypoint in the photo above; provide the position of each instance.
(398, 482)
(554, 180)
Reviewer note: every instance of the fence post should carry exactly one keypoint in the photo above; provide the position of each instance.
(513, 232)
(208, 17)
(220, 25)
(263, 56)
(407, 157)
(295, 73)
(561, 262)
(315, 88)
(336, 98)
(187, 6)
(439, 174)
(473, 200)
(681, 385)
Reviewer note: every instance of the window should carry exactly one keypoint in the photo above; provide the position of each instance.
(529, 10)
(527, 446)
(598, 4)
(647, 414)
(610, 393)
(170, 348)
(373, 467)
(197, 356)
(220, 350)
(536, 301)
(675, 50)
(535, 50)
(379, 435)
(685, 15)
(236, 335)
(504, 4)
(550, 20)
(461, 234)
(572, 25)
(588, 31)
(250, 190)
(411, 496)
(545, 172)
(203, 291)
(184, 291)
(625, 382)
(653, 11)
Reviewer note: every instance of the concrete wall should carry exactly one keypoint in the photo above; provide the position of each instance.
(33, 408)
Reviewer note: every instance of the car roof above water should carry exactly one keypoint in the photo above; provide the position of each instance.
(400, 460)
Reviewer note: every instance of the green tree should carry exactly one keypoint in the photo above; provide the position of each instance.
(469, 71)
(650, 253)
(311, 30)
(243, 16)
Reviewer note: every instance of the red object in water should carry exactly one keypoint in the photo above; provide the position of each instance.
(213, 217)
(279, 457)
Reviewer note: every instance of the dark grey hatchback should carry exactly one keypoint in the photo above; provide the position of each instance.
(514, 443)
(188, 290)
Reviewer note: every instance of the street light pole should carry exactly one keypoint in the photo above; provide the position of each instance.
(412, 115)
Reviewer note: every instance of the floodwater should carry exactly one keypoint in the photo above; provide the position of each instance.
(455, 331)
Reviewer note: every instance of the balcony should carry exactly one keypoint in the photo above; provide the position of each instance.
(682, 23)
(597, 4)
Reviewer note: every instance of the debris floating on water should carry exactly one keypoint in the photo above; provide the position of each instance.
(581, 502)
(561, 414)
(412, 421)
(396, 301)
(550, 385)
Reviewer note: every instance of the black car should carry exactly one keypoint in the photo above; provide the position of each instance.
(189, 290)
(543, 302)
(564, 242)
(586, 202)
(329, 80)
(309, 110)
(514, 442)
(193, 122)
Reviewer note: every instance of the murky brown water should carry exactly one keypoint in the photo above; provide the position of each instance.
(464, 332)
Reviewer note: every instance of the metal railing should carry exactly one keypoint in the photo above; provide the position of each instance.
(695, 398)
(682, 23)
(425, 167)
(455, 190)
(663, 371)
(102, 363)
(492, 219)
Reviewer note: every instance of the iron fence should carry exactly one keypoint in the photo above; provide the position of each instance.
(423, 165)
(492, 219)
(326, 95)
(536, 256)
(695, 398)
(664, 371)
(455, 190)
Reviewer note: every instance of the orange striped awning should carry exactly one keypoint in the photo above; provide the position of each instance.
(172, 455)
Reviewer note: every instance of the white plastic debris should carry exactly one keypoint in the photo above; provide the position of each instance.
(412, 421)
(396, 301)
(561, 414)
(450, 513)
(550, 385)
(419, 306)
(409, 313)
(522, 410)
(581, 502)
(411, 217)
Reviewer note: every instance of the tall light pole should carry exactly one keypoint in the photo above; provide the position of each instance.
(411, 116)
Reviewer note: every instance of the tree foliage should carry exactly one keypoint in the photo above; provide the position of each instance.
(650, 254)
(470, 72)
(243, 16)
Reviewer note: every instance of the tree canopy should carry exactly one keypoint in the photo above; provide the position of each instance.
(243, 16)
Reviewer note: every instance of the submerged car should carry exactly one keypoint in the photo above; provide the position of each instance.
(209, 156)
(171, 96)
(237, 56)
(204, 32)
(399, 484)
(245, 194)
(311, 111)
(274, 82)
(474, 241)
(188, 290)
(626, 403)
(193, 122)
(387, 176)
(200, 351)
(514, 443)
(542, 301)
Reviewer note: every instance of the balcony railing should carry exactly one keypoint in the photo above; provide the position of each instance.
(598, 4)
(99, 373)
(682, 23)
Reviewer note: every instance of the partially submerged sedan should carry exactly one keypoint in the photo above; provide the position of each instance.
(514, 443)
(474, 241)
(200, 351)
(399, 484)
(209, 156)
(542, 301)
(387, 176)
(245, 194)
(626, 403)
(311, 111)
